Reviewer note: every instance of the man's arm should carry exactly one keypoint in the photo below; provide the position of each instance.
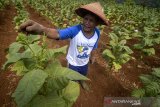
(51, 33)
(33, 27)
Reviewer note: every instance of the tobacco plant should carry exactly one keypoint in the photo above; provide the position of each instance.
(117, 52)
(150, 87)
(45, 82)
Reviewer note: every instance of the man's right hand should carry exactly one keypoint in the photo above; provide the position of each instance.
(31, 26)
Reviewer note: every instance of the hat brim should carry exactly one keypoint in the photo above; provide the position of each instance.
(82, 12)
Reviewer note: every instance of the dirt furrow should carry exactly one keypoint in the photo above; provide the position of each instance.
(8, 80)
(7, 32)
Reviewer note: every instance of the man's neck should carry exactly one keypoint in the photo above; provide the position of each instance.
(88, 34)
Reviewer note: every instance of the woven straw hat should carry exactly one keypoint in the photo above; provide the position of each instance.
(94, 8)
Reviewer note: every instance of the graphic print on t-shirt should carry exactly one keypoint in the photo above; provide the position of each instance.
(82, 52)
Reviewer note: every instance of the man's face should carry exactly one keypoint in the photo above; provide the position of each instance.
(89, 23)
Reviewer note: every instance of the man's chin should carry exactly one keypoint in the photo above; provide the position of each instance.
(87, 30)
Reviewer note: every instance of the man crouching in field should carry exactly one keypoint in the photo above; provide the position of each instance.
(83, 37)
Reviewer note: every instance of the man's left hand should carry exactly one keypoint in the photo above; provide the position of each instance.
(92, 60)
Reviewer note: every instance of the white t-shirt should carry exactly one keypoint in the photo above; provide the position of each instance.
(80, 46)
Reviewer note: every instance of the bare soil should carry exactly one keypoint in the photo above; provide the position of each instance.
(8, 80)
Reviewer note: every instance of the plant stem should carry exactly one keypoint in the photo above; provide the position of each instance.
(31, 50)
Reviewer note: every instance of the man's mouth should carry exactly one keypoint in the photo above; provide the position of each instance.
(87, 27)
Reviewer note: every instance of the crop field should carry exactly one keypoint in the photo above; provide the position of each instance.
(34, 69)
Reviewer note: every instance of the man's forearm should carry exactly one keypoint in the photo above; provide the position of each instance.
(51, 33)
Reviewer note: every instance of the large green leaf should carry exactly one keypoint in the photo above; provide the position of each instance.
(138, 46)
(112, 43)
(149, 51)
(71, 92)
(123, 58)
(35, 48)
(146, 79)
(64, 98)
(117, 66)
(28, 87)
(26, 54)
(152, 89)
(53, 53)
(148, 31)
(59, 76)
(122, 42)
(128, 50)
(19, 67)
(113, 36)
(29, 63)
(11, 59)
(21, 37)
(108, 53)
(148, 41)
(15, 57)
(55, 82)
(138, 93)
(14, 47)
(157, 40)
(156, 72)
(33, 38)
(50, 100)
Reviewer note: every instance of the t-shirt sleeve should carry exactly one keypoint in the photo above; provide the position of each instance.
(68, 33)
(96, 44)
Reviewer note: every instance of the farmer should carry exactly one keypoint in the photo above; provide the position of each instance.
(83, 37)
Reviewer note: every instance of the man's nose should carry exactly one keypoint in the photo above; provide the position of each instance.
(87, 21)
